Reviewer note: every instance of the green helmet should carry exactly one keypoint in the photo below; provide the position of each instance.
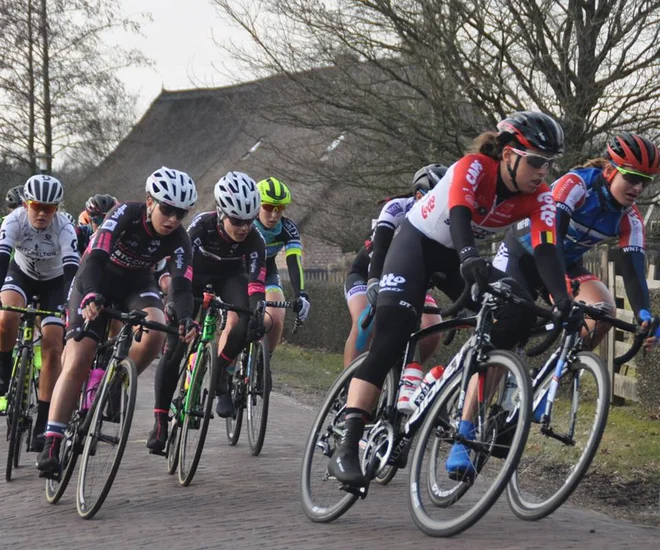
(273, 191)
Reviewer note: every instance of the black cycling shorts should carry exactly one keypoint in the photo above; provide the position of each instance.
(51, 293)
(122, 289)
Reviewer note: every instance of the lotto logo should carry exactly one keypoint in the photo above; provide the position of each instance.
(428, 206)
(548, 209)
(391, 280)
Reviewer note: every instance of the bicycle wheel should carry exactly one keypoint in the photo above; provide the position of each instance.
(29, 414)
(322, 499)
(197, 413)
(233, 424)
(500, 440)
(16, 413)
(556, 459)
(107, 436)
(69, 451)
(258, 395)
(388, 399)
(176, 409)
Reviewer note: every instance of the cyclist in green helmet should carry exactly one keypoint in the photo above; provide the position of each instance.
(280, 232)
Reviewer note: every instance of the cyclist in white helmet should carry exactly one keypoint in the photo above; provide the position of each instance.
(117, 267)
(230, 255)
(45, 261)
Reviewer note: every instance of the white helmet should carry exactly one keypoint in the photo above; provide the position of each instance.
(44, 189)
(237, 196)
(172, 187)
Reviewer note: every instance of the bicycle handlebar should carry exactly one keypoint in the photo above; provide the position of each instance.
(32, 311)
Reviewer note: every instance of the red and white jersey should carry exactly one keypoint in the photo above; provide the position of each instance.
(472, 182)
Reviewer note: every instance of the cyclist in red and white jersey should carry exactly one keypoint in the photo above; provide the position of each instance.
(481, 194)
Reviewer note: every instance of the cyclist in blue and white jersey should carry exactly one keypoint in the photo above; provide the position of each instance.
(362, 280)
(44, 263)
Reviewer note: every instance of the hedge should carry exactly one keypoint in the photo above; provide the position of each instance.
(329, 324)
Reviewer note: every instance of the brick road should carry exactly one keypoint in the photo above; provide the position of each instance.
(240, 501)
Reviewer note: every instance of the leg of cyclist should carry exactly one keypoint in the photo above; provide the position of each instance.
(234, 290)
(428, 345)
(9, 322)
(355, 290)
(594, 293)
(400, 300)
(274, 319)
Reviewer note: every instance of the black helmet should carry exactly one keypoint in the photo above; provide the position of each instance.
(99, 205)
(426, 178)
(14, 197)
(532, 130)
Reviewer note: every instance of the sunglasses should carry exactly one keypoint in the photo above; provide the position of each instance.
(237, 222)
(273, 207)
(633, 177)
(534, 160)
(169, 211)
(41, 207)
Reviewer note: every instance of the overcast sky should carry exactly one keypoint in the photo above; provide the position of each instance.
(179, 41)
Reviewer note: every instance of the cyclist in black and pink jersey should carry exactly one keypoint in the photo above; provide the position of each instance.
(118, 268)
(595, 204)
(229, 255)
(363, 276)
(482, 193)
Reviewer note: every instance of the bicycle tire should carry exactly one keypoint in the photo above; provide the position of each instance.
(16, 408)
(386, 475)
(203, 407)
(233, 424)
(174, 438)
(69, 452)
(27, 427)
(125, 372)
(532, 511)
(433, 422)
(258, 383)
(319, 512)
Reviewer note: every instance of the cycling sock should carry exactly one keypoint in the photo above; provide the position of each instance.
(354, 422)
(55, 429)
(161, 415)
(43, 408)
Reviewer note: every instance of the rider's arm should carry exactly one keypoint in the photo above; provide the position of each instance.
(632, 242)
(293, 251)
(569, 193)
(196, 232)
(391, 216)
(69, 247)
(116, 222)
(543, 232)
(180, 291)
(256, 267)
(9, 233)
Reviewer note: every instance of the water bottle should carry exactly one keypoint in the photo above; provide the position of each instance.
(510, 391)
(411, 378)
(93, 381)
(430, 379)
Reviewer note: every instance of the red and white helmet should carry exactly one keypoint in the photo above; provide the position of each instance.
(172, 187)
(236, 195)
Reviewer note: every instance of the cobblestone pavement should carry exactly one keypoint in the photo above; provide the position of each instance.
(240, 501)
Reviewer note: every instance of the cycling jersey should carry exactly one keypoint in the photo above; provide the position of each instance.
(588, 215)
(284, 235)
(84, 234)
(42, 254)
(84, 218)
(212, 247)
(127, 247)
(472, 182)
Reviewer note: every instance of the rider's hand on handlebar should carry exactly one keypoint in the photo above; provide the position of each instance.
(373, 285)
(303, 306)
(646, 320)
(90, 306)
(476, 270)
(256, 329)
(188, 329)
(571, 320)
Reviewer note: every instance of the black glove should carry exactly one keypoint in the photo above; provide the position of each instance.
(476, 270)
(373, 286)
(186, 324)
(256, 329)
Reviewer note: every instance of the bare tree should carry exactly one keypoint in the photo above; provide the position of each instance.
(409, 81)
(58, 80)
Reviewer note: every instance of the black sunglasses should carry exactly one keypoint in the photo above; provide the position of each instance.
(169, 211)
(237, 222)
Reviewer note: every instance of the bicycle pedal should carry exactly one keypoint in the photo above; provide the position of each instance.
(463, 477)
(54, 476)
(158, 453)
(357, 491)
